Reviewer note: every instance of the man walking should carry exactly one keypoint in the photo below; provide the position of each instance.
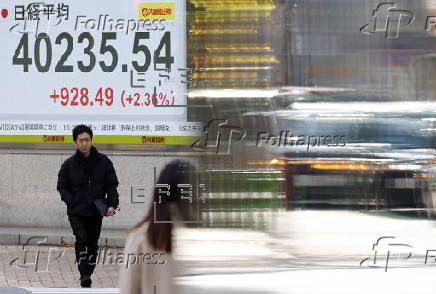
(86, 176)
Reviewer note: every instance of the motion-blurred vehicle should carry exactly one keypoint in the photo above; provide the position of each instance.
(352, 149)
(336, 148)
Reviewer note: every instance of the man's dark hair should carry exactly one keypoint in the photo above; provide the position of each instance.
(81, 129)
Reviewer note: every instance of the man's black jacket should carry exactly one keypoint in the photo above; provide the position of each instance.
(82, 180)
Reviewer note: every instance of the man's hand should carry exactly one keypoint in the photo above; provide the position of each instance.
(110, 211)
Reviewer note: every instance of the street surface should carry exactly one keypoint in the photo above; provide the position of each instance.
(302, 252)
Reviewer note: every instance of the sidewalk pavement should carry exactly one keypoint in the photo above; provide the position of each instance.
(298, 241)
(48, 266)
(201, 251)
(56, 236)
(44, 257)
(14, 290)
(58, 291)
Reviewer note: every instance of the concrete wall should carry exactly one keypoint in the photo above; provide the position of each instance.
(28, 195)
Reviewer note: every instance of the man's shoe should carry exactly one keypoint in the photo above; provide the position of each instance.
(85, 281)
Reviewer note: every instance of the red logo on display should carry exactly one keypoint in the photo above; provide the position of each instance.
(4, 13)
(156, 11)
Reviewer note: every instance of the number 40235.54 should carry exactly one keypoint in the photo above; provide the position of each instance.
(162, 54)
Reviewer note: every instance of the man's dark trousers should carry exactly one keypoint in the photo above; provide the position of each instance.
(86, 229)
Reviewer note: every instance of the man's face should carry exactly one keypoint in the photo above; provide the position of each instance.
(84, 143)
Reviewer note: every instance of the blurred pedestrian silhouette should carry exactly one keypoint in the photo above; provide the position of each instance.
(150, 267)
